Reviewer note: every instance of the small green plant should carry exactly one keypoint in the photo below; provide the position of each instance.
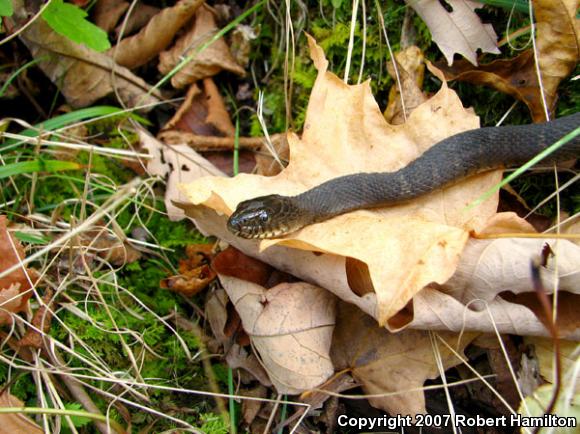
(6, 9)
(70, 21)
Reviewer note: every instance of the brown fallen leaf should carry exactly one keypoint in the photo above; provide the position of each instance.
(211, 60)
(82, 75)
(191, 282)
(236, 355)
(42, 320)
(459, 31)
(241, 44)
(108, 13)
(137, 20)
(16, 423)
(250, 408)
(14, 287)
(231, 262)
(203, 112)
(558, 51)
(290, 326)
(411, 69)
(387, 363)
(109, 247)
(151, 40)
(195, 273)
(405, 247)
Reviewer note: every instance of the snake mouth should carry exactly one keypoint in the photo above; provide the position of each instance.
(255, 231)
(261, 218)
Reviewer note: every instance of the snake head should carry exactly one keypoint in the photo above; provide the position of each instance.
(265, 217)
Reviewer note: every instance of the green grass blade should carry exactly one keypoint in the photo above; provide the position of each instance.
(18, 71)
(31, 239)
(518, 5)
(37, 166)
(78, 115)
(232, 402)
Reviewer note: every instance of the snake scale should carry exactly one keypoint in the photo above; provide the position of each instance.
(451, 159)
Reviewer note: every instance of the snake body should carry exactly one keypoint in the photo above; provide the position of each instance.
(451, 159)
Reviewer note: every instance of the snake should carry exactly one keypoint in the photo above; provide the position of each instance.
(446, 162)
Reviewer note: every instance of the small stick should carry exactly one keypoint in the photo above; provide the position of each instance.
(213, 143)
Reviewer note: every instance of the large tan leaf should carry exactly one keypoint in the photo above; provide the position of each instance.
(385, 363)
(290, 326)
(401, 248)
(459, 31)
(236, 356)
(492, 287)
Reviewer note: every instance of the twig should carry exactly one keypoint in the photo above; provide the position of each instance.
(535, 266)
(214, 143)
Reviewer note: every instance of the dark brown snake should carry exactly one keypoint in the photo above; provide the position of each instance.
(451, 159)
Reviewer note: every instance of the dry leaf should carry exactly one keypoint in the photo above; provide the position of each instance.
(203, 112)
(250, 408)
(390, 363)
(558, 51)
(233, 263)
(290, 326)
(411, 69)
(179, 163)
(267, 165)
(108, 13)
(241, 43)
(82, 75)
(459, 31)
(195, 273)
(139, 49)
(404, 247)
(208, 62)
(14, 287)
(489, 267)
(16, 423)
(109, 247)
(41, 320)
(137, 20)
(236, 355)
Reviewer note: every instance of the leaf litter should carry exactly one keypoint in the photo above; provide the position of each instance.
(407, 252)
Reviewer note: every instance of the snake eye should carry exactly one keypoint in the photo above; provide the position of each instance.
(264, 217)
